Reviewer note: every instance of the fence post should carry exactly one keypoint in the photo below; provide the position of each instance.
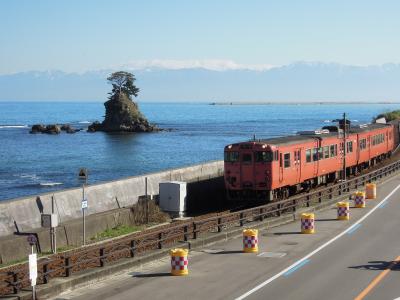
(319, 197)
(15, 282)
(279, 210)
(261, 214)
(160, 236)
(241, 219)
(45, 275)
(219, 225)
(340, 189)
(185, 233)
(132, 249)
(67, 267)
(308, 200)
(294, 205)
(194, 231)
(102, 258)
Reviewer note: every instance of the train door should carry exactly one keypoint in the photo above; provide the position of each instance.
(315, 157)
(247, 169)
(280, 167)
(297, 164)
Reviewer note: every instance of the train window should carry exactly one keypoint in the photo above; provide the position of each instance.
(308, 155)
(246, 158)
(363, 144)
(320, 153)
(231, 156)
(333, 154)
(315, 154)
(263, 156)
(349, 147)
(326, 152)
(286, 158)
(276, 155)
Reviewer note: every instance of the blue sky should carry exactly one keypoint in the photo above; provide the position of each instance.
(76, 36)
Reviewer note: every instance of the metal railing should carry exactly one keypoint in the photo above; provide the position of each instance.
(14, 278)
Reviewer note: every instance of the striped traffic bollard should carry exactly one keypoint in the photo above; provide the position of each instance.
(370, 189)
(307, 223)
(250, 240)
(343, 211)
(179, 262)
(359, 199)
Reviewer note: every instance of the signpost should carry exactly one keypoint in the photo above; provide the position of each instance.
(83, 174)
(32, 265)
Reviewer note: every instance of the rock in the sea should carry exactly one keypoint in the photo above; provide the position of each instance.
(38, 128)
(50, 129)
(122, 115)
(69, 129)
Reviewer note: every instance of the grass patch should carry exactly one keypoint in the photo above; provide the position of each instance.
(115, 232)
(39, 255)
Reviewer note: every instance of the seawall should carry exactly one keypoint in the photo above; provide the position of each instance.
(24, 214)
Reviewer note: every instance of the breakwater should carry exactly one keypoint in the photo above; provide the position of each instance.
(24, 214)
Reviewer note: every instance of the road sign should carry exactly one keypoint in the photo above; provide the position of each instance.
(32, 240)
(84, 203)
(33, 268)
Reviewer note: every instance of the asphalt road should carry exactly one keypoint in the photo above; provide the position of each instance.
(342, 260)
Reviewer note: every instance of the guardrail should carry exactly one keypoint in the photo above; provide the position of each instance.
(14, 278)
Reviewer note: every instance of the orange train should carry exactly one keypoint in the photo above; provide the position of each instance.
(275, 168)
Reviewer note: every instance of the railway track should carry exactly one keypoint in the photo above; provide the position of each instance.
(14, 278)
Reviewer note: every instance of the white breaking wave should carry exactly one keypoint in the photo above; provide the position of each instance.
(50, 183)
(13, 126)
(327, 121)
(84, 122)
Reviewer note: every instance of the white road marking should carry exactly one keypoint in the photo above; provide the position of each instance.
(300, 261)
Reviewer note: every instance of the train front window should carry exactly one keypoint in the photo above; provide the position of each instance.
(231, 156)
(246, 158)
(263, 156)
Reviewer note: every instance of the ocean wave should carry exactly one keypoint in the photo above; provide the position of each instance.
(84, 122)
(50, 183)
(13, 126)
(327, 121)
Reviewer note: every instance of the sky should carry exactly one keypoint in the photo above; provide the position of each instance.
(79, 36)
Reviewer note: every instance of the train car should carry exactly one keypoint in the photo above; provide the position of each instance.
(276, 168)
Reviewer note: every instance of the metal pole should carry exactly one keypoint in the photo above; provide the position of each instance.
(344, 147)
(147, 201)
(83, 215)
(53, 229)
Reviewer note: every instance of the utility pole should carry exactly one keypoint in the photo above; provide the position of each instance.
(344, 146)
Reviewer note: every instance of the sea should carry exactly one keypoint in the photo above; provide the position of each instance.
(33, 164)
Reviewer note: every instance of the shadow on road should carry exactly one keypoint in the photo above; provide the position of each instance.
(324, 220)
(379, 265)
(228, 252)
(286, 233)
(150, 275)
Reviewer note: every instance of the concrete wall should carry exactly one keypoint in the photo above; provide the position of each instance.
(24, 214)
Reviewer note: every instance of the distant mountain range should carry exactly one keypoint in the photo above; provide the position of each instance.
(297, 82)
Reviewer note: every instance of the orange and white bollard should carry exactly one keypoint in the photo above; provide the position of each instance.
(359, 199)
(343, 211)
(250, 240)
(179, 262)
(370, 190)
(307, 223)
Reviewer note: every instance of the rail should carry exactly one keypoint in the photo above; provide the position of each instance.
(15, 278)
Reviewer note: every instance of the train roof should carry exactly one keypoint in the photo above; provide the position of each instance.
(310, 136)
